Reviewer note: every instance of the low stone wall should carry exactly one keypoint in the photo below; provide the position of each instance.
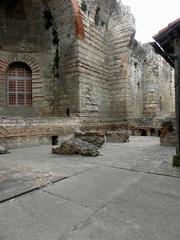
(22, 132)
(168, 132)
(135, 126)
(144, 127)
(117, 136)
(168, 138)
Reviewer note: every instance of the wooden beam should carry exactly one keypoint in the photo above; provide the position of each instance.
(176, 159)
(160, 51)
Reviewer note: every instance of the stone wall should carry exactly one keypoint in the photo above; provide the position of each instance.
(151, 84)
(158, 86)
(85, 63)
(21, 132)
(104, 60)
(22, 26)
(135, 80)
(119, 77)
(24, 39)
(66, 79)
(121, 30)
(84, 60)
(94, 97)
(168, 132)
(42, 35)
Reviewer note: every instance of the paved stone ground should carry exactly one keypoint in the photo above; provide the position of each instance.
(130, 192)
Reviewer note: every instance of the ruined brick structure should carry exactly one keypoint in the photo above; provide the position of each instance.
(79, 60)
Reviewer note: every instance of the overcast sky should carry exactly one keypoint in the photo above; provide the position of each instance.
(151, 16)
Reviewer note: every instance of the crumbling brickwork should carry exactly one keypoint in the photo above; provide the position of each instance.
(158, 86)
(84, 61)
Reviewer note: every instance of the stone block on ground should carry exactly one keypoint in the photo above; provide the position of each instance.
(167, 138)
(94, 137)
(117, 136)
(3, 149)
(168, 133)
(76, 146)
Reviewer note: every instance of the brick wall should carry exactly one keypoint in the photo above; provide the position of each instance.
(21, 132)
(85, 62)
(25, 37)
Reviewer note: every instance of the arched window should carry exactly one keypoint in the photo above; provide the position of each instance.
(19, 85)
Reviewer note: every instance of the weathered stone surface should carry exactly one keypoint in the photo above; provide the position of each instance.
(96, 138)
(3, 149)
(167, 138)
(158, 91)
(176, 161)
(117, 136)
(76, 146)
(168, 135)
(100, 72)
(16, 180)
(101, 75)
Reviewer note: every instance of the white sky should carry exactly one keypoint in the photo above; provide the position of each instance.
(152, 15)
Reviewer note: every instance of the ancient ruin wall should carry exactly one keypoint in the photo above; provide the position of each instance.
(22, 31)
(158, 86)
(135, 83)
(41, 34)
(84, 63)
(67, 22)
(104, 59)
(22, 26)
(121, 30)
(94, 59)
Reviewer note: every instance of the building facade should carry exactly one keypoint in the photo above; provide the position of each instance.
(78, 59)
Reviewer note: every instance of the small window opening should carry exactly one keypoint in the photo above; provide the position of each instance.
(97, 16)
(55, 140)
(135, 65)
(160, 103)
(67, 112)
(84, 6)
(152, 132)
(143, 132)
(138, 84)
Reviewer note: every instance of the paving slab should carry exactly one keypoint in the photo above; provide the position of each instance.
(147, 209)
(143, 154)
(39, 216)
(24, 170)
(18, 181)
(130, 192)
(28, 169)
(95, 187)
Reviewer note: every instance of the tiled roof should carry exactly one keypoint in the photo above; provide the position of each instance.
(167, 28)
(164, 44)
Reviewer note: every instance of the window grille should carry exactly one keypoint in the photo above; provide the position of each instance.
(19, 85)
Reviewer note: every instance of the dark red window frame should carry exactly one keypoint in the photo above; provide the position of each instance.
(19, 85)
